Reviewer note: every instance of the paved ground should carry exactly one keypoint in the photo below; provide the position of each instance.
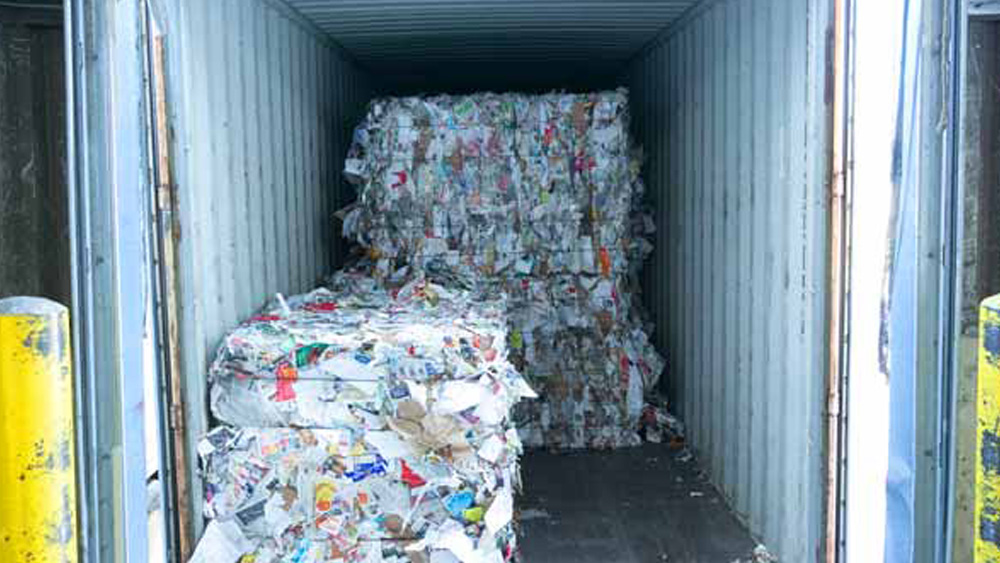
(636, 505)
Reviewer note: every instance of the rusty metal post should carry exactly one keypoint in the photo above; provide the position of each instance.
(37, 466)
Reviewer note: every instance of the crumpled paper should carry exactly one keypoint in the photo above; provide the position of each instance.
(367, 423)
(538, 197)
(347, 350)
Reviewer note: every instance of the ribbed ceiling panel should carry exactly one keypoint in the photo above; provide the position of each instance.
(554, 41)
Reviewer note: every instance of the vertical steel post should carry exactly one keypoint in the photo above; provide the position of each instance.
(37, 465)
(988, 434)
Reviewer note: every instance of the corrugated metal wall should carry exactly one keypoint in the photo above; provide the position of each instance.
(462, 46)
(730, 108)
(262, 107)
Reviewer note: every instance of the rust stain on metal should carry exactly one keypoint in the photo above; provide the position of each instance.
(169, 229)
(836, 80)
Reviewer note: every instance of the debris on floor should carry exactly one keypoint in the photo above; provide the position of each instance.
(222, 541)
(534, 514)
(657, 425)
(760, 555)
(538, 197)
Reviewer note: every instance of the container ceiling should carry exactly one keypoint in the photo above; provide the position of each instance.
(531, 41)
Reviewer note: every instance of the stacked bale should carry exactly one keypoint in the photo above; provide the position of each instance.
(537, 197)
(365, 424)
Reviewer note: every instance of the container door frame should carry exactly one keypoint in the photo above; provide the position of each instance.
(967, 14)
(928, 170)
(113, 272)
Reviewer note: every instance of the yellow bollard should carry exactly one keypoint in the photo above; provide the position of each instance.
(37, 474)
(988, 434)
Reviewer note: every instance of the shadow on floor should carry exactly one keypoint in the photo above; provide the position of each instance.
(634, 505)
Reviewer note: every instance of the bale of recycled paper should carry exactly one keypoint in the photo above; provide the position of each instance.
(538, 197)
(366, 423)
(334, 356)
(352, 495)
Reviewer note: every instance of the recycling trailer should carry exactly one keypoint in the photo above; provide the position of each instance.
(734, 103)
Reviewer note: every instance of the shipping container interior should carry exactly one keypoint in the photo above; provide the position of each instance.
(730, 102)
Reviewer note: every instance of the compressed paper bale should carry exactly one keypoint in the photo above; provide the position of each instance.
(333, 489)
(368, 421)
(337, 353)
(531, 195)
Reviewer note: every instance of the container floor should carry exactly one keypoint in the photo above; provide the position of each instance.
(634, 505)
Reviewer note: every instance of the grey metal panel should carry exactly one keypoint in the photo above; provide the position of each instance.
(729, 312)
(744, 139)
(134, 282)
(112, 270)
(936, 273)
(735, 132)
(258, 103)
